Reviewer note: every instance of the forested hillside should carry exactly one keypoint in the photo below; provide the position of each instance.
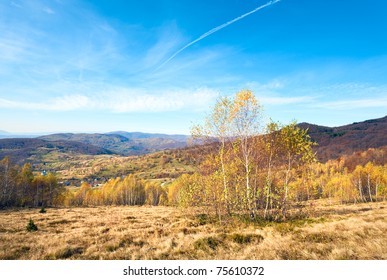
(21, 150)
(334, 142)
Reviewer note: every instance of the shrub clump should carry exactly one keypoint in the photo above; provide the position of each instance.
(207, 242)
(245, 238)
(31, 226)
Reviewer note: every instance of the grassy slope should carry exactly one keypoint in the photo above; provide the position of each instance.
(331, 232)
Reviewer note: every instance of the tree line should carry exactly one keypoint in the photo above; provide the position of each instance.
(19, 187)
(119, 191)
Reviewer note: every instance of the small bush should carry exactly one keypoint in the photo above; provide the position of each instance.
(245, 238)
(31, 226)
(207, 242)
(43, 210)
(203, 219)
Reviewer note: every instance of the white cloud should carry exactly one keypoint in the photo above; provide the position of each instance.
(353, 104)
(169, 38)
(276, 92)
(138, 100)
(123, 101)
(65, 103)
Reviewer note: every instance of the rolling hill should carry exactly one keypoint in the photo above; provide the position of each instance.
(124, 143)
(23, 149)
(334, 142)
(142, 135)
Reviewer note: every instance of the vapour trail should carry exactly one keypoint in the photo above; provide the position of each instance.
(213, 30)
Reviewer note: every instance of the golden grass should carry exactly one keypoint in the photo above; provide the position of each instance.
(330, 232)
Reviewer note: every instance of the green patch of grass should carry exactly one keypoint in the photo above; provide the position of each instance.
(245, 238)
(288, 226)
(284, 228)
(206, 243)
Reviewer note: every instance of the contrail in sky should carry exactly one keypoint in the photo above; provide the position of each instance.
(213, 30)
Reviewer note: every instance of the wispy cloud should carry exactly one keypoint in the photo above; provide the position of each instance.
(64, 103)
(172, 100)
(338, 96)
(123, 100)
(353, 104)
(213, 30)
(168, 37)
(36, 55)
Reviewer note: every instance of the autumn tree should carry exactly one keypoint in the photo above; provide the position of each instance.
(246, 118)
(271, 144)
(218, 129)
(8, 182)
(297, 150)
(45, 189)
(25, 179)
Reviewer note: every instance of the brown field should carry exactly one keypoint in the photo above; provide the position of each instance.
(330, 232)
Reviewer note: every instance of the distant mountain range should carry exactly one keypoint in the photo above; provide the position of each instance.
(124, 143)
(333, 142)
(120, 143)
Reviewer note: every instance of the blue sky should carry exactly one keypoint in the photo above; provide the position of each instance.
(99, 66)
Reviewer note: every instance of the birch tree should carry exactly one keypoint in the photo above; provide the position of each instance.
(246, 116)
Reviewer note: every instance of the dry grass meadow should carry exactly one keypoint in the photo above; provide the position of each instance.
(329, 232)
